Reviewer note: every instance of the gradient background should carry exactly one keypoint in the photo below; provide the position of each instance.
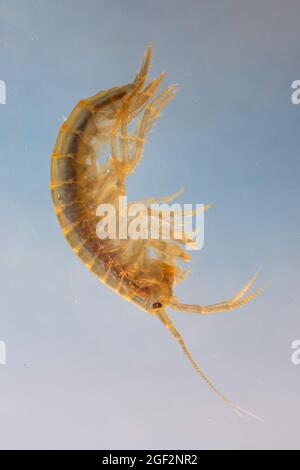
(84, 368)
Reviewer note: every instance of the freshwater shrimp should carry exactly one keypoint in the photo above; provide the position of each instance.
(142, 271)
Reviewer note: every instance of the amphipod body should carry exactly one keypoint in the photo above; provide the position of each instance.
(143, 271)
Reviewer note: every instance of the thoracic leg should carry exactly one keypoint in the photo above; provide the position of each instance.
(130, 147)
(144, 124)
(130, 144)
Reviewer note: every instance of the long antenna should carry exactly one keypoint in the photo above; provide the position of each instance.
(163, 317)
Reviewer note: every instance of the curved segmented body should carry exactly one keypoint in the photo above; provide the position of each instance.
(79, 184)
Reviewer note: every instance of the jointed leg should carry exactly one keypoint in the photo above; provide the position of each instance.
(143, 72)
(134, 102)
(130, 143)
(123, 137)
(139, 100)
(236, 301)
(151, 113)
(159, 200)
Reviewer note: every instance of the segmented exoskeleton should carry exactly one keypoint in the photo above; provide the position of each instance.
(143, 271)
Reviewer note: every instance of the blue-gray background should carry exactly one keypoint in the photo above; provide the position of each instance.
(84, 368)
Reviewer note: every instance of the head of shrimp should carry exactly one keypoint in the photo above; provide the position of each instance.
(158, 298)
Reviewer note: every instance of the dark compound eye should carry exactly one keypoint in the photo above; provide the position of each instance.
(157, 305)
